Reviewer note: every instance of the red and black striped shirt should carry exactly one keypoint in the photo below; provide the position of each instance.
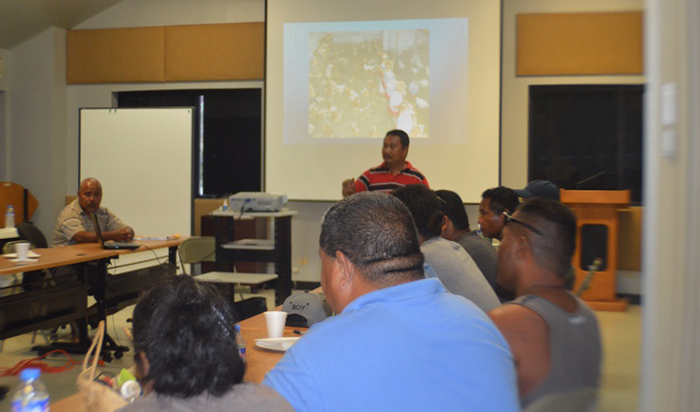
(380, 179)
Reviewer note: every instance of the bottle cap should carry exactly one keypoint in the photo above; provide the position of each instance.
(238, 328)
(29, 374)
(130, 389)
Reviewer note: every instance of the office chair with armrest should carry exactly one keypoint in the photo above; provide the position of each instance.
(30, 233)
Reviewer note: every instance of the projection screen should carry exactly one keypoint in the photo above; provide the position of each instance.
(341, 74)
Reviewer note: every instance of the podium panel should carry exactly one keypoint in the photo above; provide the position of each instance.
(597, 237)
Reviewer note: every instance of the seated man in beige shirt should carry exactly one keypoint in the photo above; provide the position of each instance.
(75, 222)
(75, 225)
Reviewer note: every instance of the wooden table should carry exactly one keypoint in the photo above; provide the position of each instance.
(80, 253)
(73, 296)
(71, 255)
(258, 361)
(55, 257)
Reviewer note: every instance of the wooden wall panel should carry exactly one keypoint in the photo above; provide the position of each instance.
(130, 55)
(215, 52)
(579, 44)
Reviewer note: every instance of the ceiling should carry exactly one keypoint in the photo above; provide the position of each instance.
(20, 20)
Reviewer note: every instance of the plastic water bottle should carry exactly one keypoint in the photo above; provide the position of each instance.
(240, 341)
(10, 217)
(478, 230)
(31, 394)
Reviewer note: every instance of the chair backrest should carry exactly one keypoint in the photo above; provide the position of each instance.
(581, 400)
(32, 234)
(198, 249)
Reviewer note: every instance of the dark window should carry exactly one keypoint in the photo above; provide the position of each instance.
(587, 137)
(227, 135)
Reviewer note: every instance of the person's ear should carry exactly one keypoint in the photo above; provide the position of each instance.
(521, 249)
(143, 365)
(445, 227)
(346, 270)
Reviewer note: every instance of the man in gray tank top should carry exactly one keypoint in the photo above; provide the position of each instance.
(554, 335)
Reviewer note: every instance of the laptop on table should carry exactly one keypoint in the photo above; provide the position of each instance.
(110, 244)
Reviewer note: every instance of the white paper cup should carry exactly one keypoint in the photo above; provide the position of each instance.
(22, 249)
(275, 323)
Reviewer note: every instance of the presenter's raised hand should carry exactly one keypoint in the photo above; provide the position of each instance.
(348, 187)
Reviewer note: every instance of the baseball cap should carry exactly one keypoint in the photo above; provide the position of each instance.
(539, 188)
(305, 309)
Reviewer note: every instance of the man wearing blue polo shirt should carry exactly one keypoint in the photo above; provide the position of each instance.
(398, 341)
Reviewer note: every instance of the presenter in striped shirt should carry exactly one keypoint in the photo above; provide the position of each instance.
(394, 172)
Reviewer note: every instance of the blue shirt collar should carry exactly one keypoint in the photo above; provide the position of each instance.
(396, 293)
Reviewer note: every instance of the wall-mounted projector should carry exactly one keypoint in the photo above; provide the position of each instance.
(256, 202)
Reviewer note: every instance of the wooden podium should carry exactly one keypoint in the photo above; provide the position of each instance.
(597, 237)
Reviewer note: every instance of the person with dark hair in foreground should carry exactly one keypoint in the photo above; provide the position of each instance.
(456, 228)
(394, 172)
(494, 202)
(186, 353)
(450, 262)
(554, 335)
(398, 341)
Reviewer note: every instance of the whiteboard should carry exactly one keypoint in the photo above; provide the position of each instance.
(143, 158)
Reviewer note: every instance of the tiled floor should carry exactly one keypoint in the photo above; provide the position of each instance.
(621, 366)
(620, 383)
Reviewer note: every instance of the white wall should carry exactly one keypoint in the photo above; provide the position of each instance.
(147, 13)
(671, 313)
(36, 137)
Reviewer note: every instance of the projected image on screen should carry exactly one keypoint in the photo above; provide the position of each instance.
(351, 82)
(363, 83)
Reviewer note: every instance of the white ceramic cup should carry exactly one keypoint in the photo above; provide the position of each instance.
(22, 249)
(275, 323)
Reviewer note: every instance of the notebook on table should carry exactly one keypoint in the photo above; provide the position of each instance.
(110, 244)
